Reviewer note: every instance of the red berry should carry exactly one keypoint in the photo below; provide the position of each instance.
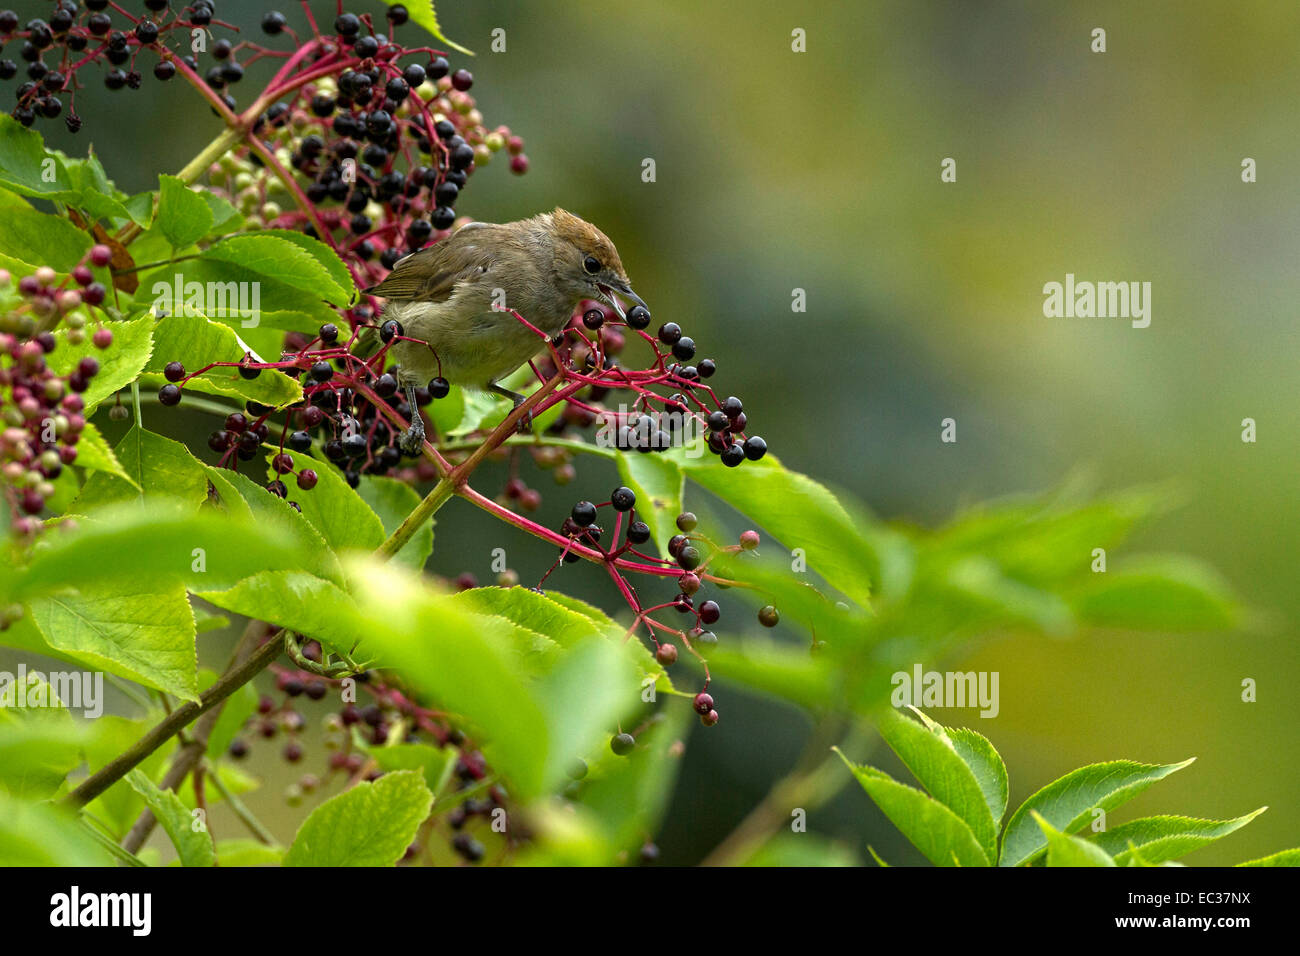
(102, 338)
(519, 164)
(307, 479)
(703, 703)
(666, 654)
(709, 719)
(749, 540)
(101, 255)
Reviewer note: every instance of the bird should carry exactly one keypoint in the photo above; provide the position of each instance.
(452, 299)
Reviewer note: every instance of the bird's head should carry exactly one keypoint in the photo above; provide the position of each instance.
(587, 265)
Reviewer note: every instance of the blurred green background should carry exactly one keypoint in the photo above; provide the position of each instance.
(820, 171)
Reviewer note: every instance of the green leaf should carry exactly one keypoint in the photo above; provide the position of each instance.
(1067, 802)
(942, 836)
(393, 500)
(333, 507)
(243, 498)
(282, 259)
(1166, 837)
(1167, 593)
(245, 851)
(298, 601)
(196, 342)
(1066, 850)
(471, 668)
(145, 633)
(94, 454)
(436, 764)
(160, 545)
(193, 846)
(40, 743)
(40, 239)
(565, 621)
(370, 825)
(162, 468)
(1281, 858)
(986, 763)
(44, 834)
(225, 217)
(658, 483)
(797, 511)
(929, 753)
(118, 365)
(802, 850)
(183, 215)
(422, 12)
(230, 291)
(25, 165)
(326, 257)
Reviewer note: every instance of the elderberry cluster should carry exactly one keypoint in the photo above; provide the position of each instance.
(42, 412)
(346, 426)
(354, 731)
(381, 148)
(94, 35)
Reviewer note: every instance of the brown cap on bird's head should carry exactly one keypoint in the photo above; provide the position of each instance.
(588, 238)
(586, 262)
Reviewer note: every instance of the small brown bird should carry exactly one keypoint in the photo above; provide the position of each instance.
(453, 295)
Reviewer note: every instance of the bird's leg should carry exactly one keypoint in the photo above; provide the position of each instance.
(412, 440)
(526, 422)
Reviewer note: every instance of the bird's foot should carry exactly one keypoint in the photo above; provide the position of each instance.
(411, 441)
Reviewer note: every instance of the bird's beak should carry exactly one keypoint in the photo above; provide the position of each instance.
(624, 291)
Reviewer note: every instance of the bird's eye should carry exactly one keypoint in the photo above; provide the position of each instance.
(591, 264)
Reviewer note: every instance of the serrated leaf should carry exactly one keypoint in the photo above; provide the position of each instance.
(327, 258)
(931, 756)
(160, 545)
(196, 342)
(797, 511)
(298, 601)
(94, 454)
(26, 166)
(193, 846)
(942, 836)
(224, 281)
(284, 260)
(144, 633)
(118, 365)
(987, 765)
(334, 508)
(1067, 803)
(155, 466)
(1281, 858)
(1163, 838)
(370, 825)
(183, 215)
(422, 12)
(1066, 850)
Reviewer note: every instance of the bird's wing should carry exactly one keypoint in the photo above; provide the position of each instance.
(431, 274)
